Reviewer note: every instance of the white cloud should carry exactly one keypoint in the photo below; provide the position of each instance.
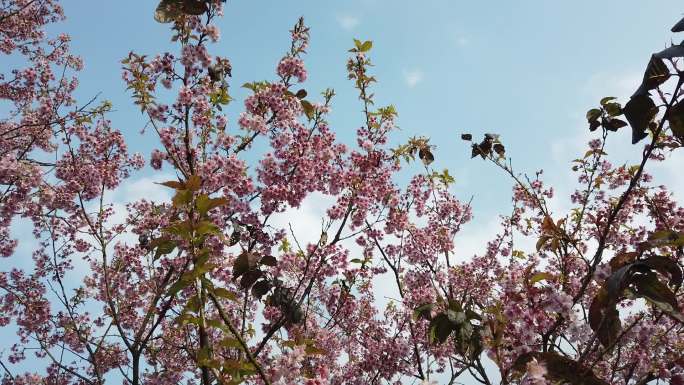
(568, 147)
(413, 77)
(462, 41)
(454, 33)
(145, 188)
(669, 173)
(619, 147)
(305, 220)
(620, 85)
(348, 22)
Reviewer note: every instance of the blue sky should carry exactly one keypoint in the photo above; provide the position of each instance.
(528, 70)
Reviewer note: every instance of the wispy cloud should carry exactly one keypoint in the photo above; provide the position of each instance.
(348, 22)
(462, 41)
(413, 77)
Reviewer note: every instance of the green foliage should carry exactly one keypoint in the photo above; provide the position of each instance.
(606, 115)
(419, 145)
(443, 177)
(136, 65)
(361, 46)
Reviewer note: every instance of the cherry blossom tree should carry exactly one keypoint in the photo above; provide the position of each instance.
(212, 291)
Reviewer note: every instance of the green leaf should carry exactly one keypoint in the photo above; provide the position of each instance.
(665, 238)
(613, 109)
(423, 311)
(230, 343)
(518, 254)
(217, 324)
(542, 241)
(607, 99)
(312, 350)
(285, 246)
(187, 318)
(182, 229)
(357, 44)
(456, 317)
(205, 204)
(193, 183)
(181, 284)
(163, 246)
(207, 227)
(193, 304)
(204, 360)
(366, 46)
(174, 184)
(540, 277)
(593, 114)
(200, 270)
(182, 198)
(225, 293)
(454, 305)
(308, 109)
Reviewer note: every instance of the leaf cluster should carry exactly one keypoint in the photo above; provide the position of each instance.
(637, 276)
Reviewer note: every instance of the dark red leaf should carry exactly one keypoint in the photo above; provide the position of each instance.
(622, 259)
(426, 156)
(656, 74)
(269, 260)
(244, 263)
(440, 328)
(665, 266)
(500, 149)
(261, 288)
(559, 369)
(639, 112)
(249, 278)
